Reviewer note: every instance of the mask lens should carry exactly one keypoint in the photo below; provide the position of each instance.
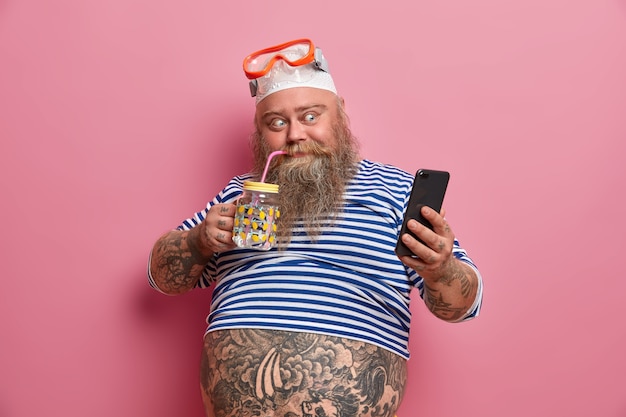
(297, 53)
(260, 62)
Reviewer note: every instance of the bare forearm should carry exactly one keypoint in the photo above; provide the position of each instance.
(453, 294)
(177, 261)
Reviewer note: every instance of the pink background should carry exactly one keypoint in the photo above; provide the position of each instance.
(120, 118)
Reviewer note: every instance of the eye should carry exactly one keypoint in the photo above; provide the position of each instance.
(277, 124)
(310, 117)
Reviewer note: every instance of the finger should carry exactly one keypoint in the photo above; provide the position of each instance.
(223, 239)
(437, 220)
(225, 223)
(421, 248)
(221, 216)
(419, 264)
(226, 209)
(427, 235)
(218, 227)
(413, 263)
(431, 215)
(434, 245)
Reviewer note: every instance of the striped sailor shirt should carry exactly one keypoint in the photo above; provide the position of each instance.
(347, 283)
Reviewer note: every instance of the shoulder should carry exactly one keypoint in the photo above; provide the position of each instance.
(380, 173)
(376, 183)
(237, 181)
(232, 190)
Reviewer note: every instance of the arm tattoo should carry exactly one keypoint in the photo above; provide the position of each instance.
(436, 299)
(439, 307)
(458, 274)
(179, 263)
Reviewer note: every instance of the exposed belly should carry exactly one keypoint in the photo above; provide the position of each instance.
(250, 372)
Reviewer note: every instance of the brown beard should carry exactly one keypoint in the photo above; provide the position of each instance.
(310, 187)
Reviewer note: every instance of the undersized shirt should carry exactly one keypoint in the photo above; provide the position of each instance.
(347, 283)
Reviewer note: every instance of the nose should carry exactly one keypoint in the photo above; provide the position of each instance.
(296, 132)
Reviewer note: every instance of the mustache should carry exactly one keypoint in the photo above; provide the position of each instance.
(310, 148)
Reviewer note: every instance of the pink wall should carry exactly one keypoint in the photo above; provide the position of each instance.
(120, 118)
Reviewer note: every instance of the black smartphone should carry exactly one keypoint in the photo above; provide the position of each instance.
(429, 188)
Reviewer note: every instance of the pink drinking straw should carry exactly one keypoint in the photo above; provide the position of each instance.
(269, 159)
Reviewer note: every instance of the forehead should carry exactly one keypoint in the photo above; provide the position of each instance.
(293, 99)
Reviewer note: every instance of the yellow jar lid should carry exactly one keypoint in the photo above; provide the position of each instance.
(260, 186)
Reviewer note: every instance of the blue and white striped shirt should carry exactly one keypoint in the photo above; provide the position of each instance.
(348, 283)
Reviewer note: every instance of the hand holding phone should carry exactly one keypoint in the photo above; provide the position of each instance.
(429, 189)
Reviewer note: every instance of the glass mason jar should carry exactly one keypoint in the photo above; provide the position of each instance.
(256, 215)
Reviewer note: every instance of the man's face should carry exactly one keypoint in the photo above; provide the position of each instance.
(294, 118)
(310, 125)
